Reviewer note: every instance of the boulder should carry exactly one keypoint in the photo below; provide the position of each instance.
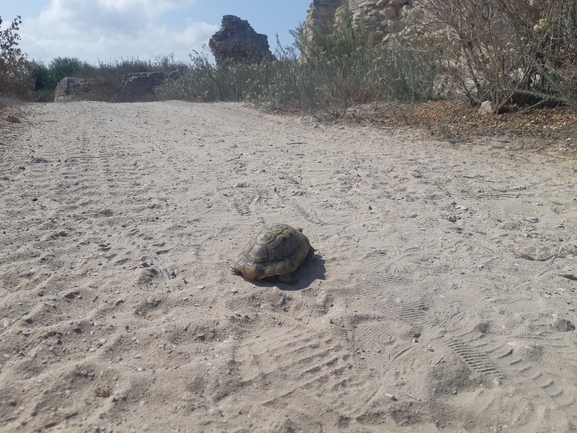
(73, 89)
(237, 42)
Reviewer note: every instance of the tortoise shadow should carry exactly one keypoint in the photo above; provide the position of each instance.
(303, 277)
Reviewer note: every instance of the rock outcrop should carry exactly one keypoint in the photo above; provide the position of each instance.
(381, 17)
(237, 42)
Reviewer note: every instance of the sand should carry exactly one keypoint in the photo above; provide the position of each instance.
(440, 296)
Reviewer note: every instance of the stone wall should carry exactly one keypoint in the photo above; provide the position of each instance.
(136, 86)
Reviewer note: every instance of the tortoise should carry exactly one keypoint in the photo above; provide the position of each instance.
(276, 250)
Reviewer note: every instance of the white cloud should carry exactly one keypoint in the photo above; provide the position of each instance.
(110, 29)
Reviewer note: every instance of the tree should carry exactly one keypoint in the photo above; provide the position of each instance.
(15, 69)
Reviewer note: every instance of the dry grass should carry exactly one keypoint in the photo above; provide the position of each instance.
(456, 119)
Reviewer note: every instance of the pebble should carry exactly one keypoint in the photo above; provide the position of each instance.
(34, 410)
(118, 301)
(101, 392)
(234, 290)
(413, 215)
(152, 301)
(532, 219)
(452, 218)
(27, 319)
(562, 325)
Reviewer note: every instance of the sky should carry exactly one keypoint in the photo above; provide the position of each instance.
(106, 30)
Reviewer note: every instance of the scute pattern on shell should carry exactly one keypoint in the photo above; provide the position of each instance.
(277, 250)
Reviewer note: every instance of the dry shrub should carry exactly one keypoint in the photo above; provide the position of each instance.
(505, 51)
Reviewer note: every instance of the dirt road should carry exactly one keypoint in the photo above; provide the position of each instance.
(441, 296)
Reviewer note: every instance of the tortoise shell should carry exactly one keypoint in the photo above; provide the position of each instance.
(276, 250)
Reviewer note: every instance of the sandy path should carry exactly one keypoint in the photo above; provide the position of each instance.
(436, 300)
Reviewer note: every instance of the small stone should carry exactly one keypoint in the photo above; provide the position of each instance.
(452, 218)
(118, 301)
(413, 215)
(234, 290)
(486, 108)
(100, 392)
(152, 301)
(27, 319)
(562, 325)
(12, 119)
(533, 220)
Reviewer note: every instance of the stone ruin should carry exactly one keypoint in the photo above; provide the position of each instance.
(237, 42)
(135, 86)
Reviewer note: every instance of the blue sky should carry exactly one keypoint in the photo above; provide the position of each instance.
(105, 30)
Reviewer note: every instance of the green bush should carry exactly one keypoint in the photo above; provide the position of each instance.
(47, 77)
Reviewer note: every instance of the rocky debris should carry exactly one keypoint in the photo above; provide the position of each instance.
(381, 17)
(135, 86)
(237, 42)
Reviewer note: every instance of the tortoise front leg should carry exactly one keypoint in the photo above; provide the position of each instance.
(286, 278)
